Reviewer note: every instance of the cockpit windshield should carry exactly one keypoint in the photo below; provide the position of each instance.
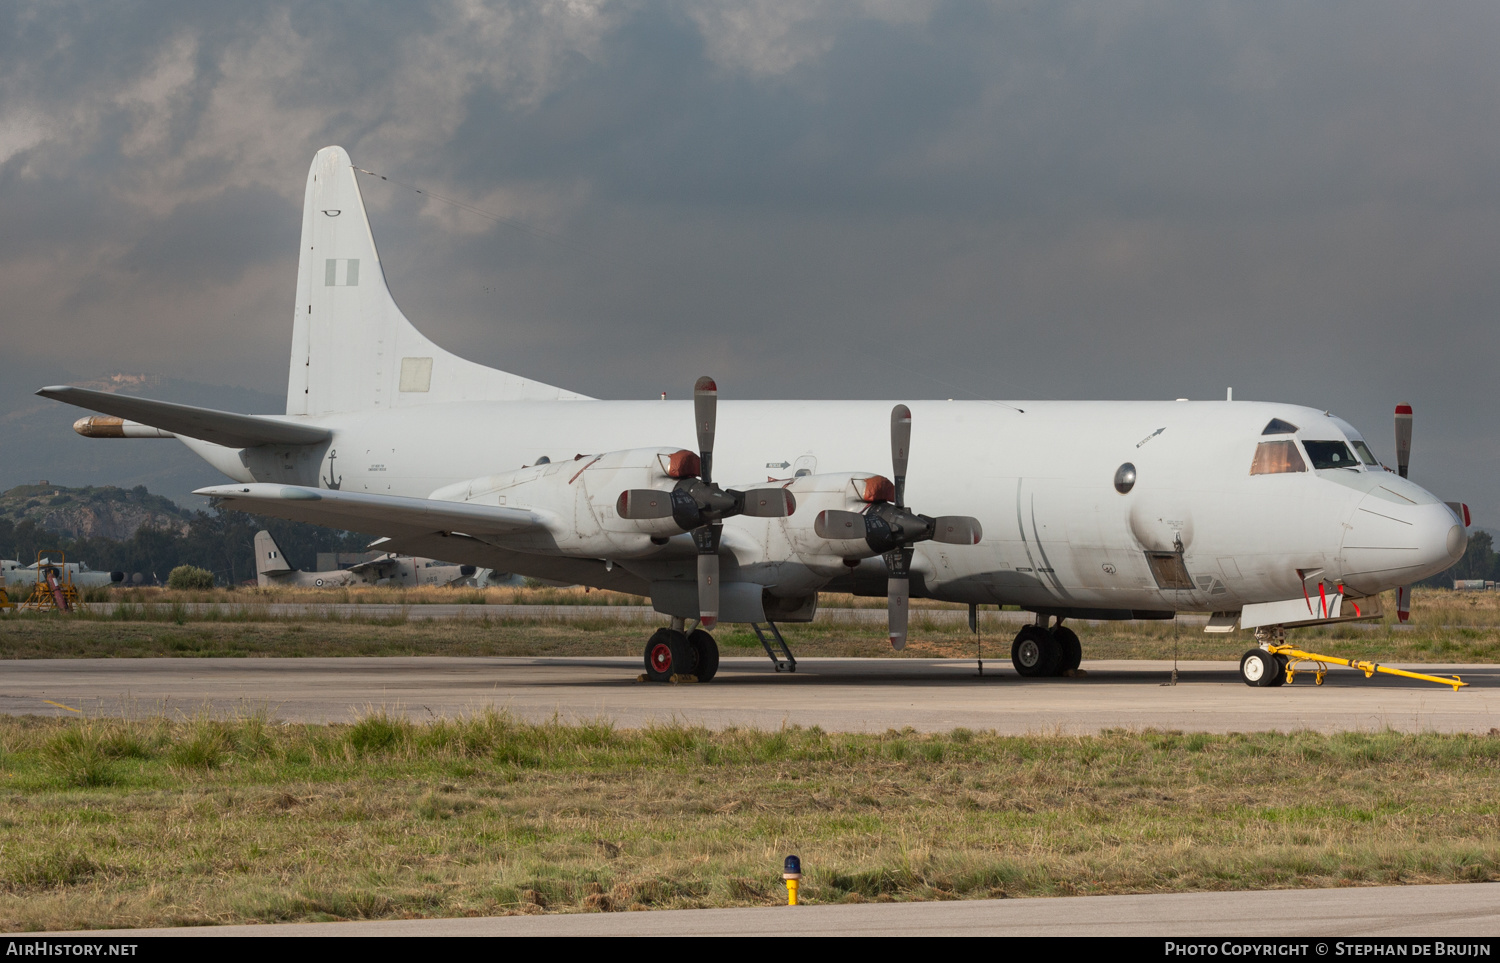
(1363, 451)
(1330, 454)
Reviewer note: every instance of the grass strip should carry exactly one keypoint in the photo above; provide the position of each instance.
(52, 636)
(200, 821)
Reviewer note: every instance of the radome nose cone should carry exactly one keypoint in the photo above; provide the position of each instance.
(1390, 544)
(1458, 543)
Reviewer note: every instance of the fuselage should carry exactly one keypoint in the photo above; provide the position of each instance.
(1040, 476)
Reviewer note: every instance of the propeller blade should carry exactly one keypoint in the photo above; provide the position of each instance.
(900, 449)
(1403, 440)
(898, 596)
(705, 413)
(833, 523)
(1403, 603)
(956, 530)
(708, 589)
(768, 503)
(644, 503)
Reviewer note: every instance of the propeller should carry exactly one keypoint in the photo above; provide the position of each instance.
(891, 529)
(1403, 439)
(699, 506)
(1403, 459)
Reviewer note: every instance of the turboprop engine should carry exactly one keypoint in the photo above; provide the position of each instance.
(583, 511)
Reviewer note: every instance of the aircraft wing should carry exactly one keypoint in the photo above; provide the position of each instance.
(219, 427)
(376, 514)
(384, 562)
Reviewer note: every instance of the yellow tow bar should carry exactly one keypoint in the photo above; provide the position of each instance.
(1295, 655)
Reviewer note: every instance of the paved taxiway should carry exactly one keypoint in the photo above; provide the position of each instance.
(1457, 912)
(837, 694)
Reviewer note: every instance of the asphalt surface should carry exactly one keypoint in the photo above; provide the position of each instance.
(869, 695)
(1457, 913)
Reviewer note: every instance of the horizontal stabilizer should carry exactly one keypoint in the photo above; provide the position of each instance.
(218, 427)
(374, 514)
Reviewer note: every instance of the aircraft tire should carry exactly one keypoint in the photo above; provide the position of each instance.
(1035, 653)
(1281, 662)
(1258, 668)
(1072, 649)
(707, 652)
(668, 653)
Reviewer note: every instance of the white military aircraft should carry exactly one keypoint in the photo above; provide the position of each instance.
(1268, 515)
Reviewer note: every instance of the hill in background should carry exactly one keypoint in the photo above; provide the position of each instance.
(106, 512)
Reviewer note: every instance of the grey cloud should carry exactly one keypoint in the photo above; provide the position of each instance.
(1047, 200)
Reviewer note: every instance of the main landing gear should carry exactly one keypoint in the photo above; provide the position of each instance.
(675, 651)
(672, 652)
(1042, 651)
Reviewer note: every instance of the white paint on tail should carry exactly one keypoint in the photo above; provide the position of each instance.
(352, 348)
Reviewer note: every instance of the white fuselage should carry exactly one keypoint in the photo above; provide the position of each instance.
(1038, 475)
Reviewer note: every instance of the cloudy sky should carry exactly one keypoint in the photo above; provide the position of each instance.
(884, 199)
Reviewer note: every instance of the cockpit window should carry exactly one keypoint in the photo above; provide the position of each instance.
(1275, 457)
(1329, 454)
(1363, 451)
(1278, 427)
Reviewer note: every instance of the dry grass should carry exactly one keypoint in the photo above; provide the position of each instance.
(150, 822)
(1448, 627)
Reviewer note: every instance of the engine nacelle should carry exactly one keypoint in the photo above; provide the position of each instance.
(577, 501)
(841, 491)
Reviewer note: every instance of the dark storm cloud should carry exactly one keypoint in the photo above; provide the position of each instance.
(1045, 200)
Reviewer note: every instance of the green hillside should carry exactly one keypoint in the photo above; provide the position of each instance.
(92, 512)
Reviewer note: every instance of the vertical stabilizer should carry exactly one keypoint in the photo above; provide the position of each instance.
(269, 562)
(352, 349)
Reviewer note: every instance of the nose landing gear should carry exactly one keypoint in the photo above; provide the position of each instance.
(1040, 651)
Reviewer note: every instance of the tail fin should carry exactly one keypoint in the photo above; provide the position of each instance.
(352, 348)
(269, 562)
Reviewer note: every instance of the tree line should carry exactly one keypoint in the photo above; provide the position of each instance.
(223, 542)
(1479, 561)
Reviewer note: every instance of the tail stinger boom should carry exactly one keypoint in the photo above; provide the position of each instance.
(352, 348)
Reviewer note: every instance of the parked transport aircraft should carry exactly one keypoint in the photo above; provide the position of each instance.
(1267, 515)
(272, 569)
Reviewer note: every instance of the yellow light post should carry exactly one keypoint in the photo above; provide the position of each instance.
(793, 875)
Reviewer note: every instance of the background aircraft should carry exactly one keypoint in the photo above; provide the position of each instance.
(80, 574)
(1268, 515)
(272, 569)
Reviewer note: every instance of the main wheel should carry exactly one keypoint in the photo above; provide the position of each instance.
(668, 653)
(1258, 668)
(707, 652)
(1072, 649)
(1035, 652)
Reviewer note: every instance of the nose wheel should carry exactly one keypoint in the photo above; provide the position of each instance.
(1262, 669)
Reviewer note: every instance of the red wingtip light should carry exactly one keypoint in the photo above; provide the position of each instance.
(1466, 516)
(1403, 409)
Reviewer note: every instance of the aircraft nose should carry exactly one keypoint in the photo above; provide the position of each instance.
(1389, 544)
